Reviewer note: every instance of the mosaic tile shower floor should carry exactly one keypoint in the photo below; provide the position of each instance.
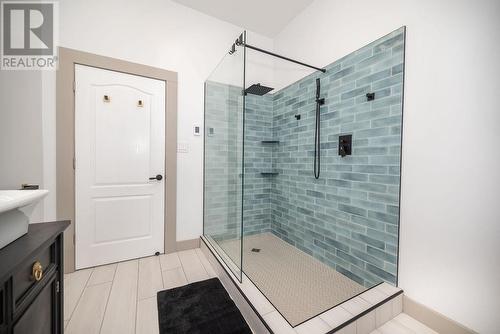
(298, 285)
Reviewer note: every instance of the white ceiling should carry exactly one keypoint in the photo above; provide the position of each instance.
(266, 17)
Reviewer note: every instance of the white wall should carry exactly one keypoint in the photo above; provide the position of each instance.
(450, 227)
(21, 131)
(158, 33)
(20, 126)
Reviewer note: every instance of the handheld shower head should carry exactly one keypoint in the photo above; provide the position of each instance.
(317, 136)
(319, 100)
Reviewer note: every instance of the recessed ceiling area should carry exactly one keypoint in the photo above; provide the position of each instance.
(266, 17)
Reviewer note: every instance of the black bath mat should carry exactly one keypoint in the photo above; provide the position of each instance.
(201, 307)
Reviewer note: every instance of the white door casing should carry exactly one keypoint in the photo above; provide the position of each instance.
(119, 145)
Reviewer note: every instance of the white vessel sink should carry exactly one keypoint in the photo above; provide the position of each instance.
(15, 208)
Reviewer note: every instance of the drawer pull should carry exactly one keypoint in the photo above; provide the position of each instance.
(37, 271)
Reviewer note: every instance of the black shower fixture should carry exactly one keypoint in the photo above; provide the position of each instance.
(233, 49)
(370, 96)
(258, 89)
(345, 145)
(317, 136)
(240, 41)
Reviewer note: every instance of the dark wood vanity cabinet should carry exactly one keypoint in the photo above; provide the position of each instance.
(31, 281)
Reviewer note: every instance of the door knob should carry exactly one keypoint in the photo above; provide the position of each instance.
(157, 177)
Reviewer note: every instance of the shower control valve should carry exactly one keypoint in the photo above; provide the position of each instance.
(345, 145)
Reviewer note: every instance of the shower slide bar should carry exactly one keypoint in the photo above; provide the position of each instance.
(240, 42)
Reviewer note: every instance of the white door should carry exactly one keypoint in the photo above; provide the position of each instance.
(119, 146)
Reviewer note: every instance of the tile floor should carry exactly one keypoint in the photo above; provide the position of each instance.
(121, 297)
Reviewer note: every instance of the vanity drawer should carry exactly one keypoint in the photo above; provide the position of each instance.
(40, 318)
(23, 281)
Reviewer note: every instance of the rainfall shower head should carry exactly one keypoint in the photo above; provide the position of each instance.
(258, 89)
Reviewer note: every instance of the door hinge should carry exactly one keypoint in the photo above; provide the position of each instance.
(74, 163)
(74, 86)
(73, 239)
(57, 287)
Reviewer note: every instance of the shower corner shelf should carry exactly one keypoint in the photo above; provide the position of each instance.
(270, 141)
(269, 173)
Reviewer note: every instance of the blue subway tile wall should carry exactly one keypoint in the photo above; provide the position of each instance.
(348, 218)
(223, 161)
(223, 153)
(258, 159)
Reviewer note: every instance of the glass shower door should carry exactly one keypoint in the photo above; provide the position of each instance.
(223, 158)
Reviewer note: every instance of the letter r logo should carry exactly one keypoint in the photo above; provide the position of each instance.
(27, 28)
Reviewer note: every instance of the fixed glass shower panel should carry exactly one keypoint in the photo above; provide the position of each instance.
(223, 158)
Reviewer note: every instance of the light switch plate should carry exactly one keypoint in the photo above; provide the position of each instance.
(196, 130)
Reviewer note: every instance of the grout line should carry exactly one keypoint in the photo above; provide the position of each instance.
(364, 293)
(371, 309)
(178, 258)
(114, 273)
(183, 271)
(407, 327)
(400, 324)
(94, 269)
(92, 286)
(161, 274)
(107, 299)
(80, 296)
(137, 295)
(342, 307)
(201, 262)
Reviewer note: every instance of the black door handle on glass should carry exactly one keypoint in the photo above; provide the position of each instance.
(157, 177)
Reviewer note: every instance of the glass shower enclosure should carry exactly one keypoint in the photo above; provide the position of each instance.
(223, 158)
(302, 172)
